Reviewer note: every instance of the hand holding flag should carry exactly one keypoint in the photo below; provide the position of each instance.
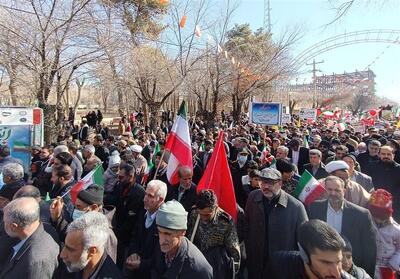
(309, 189)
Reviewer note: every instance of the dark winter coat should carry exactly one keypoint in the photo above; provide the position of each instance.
(357, 226)
(283, 223)
(189, 263)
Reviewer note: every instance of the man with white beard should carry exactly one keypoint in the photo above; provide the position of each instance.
(83, 253)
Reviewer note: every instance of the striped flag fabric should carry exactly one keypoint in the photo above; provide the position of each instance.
(93, 177)
(150, 164)
(179, 145)
(305, 142)
(309, 189)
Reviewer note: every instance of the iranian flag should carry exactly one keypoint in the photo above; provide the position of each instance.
(150, 164)
(309, 189)
(93, 177)
(179, 146)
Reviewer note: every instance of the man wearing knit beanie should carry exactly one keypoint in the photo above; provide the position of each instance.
(89, 199)
(178, 258)
(387, 235)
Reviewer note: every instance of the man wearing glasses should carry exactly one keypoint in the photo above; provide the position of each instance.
(272, 221)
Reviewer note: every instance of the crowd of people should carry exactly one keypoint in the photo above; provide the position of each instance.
(138, 225)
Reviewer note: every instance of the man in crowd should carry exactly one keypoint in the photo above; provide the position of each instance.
(139, 161)
(33, 192)
(62, 183)
(145, 243)
(324, 147)
(42, 179)
(361, 178)
(35, 254)
(298, 155)
(178, 258)
(101, 151)
(185, 192)
(91, 160)
(238, 170)
(128, 199)
(316, 168)
(344, 140)
(162, 170)
(320, 255)
(215, 235)
(84, 254)
(83, 131)
(88, 200)
(110, 176)
(290, 180)
(5, 157)
(205, 155)
(386, 175)
(270, 212)
(340, 151)
(76, 164)
(354, 192)
(13, 179)
(348, 219)
(367, 159)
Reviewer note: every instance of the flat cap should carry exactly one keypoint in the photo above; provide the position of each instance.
(271, 173)
(171, 215)
(336, 165)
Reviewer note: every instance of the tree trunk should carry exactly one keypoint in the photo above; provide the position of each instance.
(236, 108)
(49, 115)
(292, 104)
(154, 116)
(145, 115)
(120, 93)
(12, 88)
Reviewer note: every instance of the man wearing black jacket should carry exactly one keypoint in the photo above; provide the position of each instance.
(298, 155)
(386, 175)
(185, 191)
(128, 199)
(316, 167)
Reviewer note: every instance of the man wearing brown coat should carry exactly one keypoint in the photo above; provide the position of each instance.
(272, 221)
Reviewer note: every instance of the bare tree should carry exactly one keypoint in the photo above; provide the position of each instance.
(261, 62)
(54, 46)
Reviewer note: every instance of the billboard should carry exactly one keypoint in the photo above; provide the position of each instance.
(20, 128)
(306, 113)
(265, 113)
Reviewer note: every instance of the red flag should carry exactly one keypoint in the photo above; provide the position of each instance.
(217, 177)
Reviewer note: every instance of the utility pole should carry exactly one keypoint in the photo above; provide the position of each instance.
(267, 16)
(314, 71)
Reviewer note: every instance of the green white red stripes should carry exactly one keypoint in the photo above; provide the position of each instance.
(179, 145)
(93, 177)
(309, 189)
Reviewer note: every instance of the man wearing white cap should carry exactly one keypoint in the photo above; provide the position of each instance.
(179, 258)
(354, 192)
(140, 162)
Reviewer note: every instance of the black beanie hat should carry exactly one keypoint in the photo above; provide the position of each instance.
(92, 195)
(284, 165)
